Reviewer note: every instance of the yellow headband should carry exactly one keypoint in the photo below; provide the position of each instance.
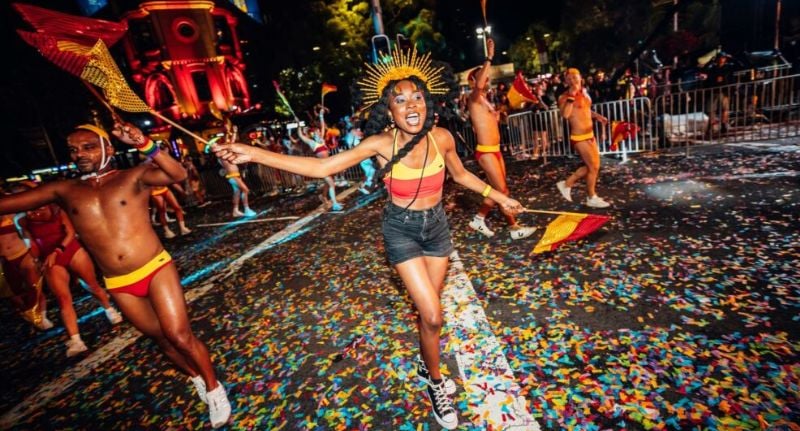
(96, 130)
(404, 64)
(573, 71)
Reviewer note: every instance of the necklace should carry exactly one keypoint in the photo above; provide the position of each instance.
(97, 176)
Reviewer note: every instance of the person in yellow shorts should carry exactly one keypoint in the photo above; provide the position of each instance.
(575, 106)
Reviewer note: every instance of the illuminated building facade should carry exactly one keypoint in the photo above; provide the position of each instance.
(185, 55)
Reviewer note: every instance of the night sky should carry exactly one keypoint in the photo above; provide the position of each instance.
(33, 89)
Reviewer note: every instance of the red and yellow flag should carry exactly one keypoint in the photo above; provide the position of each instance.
(328, 88)
(520, 93)
(78, 29)
(568, 227)
(621, 130)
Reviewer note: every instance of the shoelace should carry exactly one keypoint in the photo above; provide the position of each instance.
(442, 400)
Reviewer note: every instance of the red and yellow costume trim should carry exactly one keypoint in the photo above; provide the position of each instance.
(137, 282)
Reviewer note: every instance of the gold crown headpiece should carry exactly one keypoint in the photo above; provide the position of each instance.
(403, 64)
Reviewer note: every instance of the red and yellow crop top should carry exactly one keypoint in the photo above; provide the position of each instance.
(403, 182)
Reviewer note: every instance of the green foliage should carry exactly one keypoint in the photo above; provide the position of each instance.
(301, 88)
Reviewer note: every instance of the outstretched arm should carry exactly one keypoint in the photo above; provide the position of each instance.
(30, 199)
(166, 171)
(308, 166)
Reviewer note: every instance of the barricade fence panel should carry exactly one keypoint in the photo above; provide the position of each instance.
(747, 111)
(546, 133)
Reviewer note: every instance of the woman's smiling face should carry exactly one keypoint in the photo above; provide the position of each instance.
(407, 106)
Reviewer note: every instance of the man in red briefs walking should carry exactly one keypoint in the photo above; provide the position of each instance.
(575, 106)
(109, 210)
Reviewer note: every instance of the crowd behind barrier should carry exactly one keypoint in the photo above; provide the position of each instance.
(747, 111)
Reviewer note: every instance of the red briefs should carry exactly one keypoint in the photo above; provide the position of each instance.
(137, 282)
(66, 255)
(494, 150)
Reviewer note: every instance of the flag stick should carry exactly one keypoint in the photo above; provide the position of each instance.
(102, 100)
(179, 127)
(526, 210)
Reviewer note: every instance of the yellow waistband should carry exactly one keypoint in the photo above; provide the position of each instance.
(18, 254)
(488, 148)
(582, 137)
(233, 175)
(158, 191)
(138, 274)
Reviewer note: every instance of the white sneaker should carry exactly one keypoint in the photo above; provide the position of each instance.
(75, 347)
(113, 315)
(168, 233)
(520, 232)
(597, 202)
(237, 213)
(219, 408)
(199, 385)
(185, 230)
(45, 324)
(479, 224)
(565, 191)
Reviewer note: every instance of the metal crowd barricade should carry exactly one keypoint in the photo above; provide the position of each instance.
(546, 133)
(746, 111)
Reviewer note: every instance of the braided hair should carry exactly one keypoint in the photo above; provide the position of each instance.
(379, 119)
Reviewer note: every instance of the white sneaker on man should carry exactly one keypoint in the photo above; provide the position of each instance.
(237, 213)
(596, 202)
(565, 191)
(75, 346)
(520, 232)
(199, 385)
(219, 408)
(168, 233)
(479, 224)
(45, 324)
(113, 315)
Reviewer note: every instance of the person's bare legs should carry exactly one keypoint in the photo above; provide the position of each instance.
(57, 279)
(495, 169)
(166, 297)
(82, 266)
(591, 159)
(419, 282)
(140, 312)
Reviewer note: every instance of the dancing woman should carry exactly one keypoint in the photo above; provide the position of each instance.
(412, 155)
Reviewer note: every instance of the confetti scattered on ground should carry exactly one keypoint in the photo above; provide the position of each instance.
(680, 313)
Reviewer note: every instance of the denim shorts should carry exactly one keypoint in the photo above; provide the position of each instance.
(408, 233)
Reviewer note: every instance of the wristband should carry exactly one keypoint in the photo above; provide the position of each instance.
(148, 149)
(486, 191)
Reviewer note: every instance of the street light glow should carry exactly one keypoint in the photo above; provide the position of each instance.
(316, 48)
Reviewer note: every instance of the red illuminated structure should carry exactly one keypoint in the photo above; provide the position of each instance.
(185, 55)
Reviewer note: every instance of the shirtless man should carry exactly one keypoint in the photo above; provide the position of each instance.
(22, 272)
(575, 105)
(109, 210)
(484, 119)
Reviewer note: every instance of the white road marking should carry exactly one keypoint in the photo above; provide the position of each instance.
(488, 380)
